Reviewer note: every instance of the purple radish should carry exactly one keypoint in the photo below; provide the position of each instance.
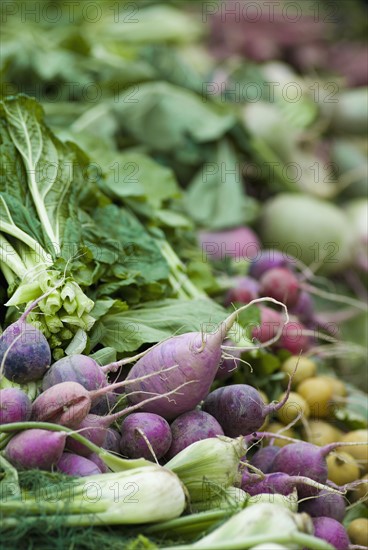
(293, 338)
(304, 308)
(112, 441)
(145, 435)
(325, 504)
(239, 243)
(263, 458)
(93, 428)
(276, 482)
(244, 291)
(75, 368)
(268, 259)
(271, 323)
(15, 406)
(197, 356)
(84, 370)
(331, 531)
(99, 463)
(280, 283)
(191, 427)
(279, 483)
(305, 459)
(35, 448)
(104, 404)
(68, 403)
(229, 364)
(78, 466)
(25, 354)
(239, 408)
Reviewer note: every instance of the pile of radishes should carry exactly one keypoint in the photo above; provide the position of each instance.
(165, 404)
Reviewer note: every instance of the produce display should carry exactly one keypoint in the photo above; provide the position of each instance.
(183, 275)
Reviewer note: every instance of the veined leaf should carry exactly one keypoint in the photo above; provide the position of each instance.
(48, 165)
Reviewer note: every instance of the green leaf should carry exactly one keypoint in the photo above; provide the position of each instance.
(137, 175)
(358, 511)
(167, 118)
(9, 484)
(215, 196)
(130, 329)
(48, 165)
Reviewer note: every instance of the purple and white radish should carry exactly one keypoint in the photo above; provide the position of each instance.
(75, 465)
(145, 435)
(191, 427)
(69, 403)
(35, 448)
(84, 370)
(15, 406)
(229, 363)
(197, 356)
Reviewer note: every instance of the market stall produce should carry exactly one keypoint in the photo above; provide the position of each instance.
(183, 276)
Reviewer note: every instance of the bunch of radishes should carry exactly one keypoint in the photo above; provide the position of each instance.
(168, 405)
